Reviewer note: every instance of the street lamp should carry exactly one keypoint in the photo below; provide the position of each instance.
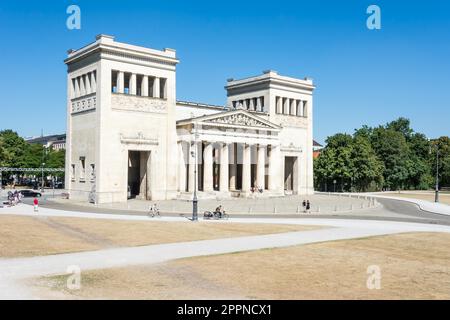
(194, 198)
(436, 192)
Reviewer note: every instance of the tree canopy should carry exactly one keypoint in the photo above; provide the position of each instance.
(391, 156)
(15, 152)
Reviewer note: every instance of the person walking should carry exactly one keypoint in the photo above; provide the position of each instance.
(304, 206)
(308, 206)
(36, 204)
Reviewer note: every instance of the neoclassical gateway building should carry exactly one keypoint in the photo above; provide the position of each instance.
(128, 136)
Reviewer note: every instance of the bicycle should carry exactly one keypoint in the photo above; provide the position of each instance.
(154, 213)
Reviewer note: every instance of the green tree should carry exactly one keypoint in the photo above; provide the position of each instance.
(367, 169)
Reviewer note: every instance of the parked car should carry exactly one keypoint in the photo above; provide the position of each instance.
(30, 193)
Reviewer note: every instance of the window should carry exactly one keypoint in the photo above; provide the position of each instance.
(162, 88)
(305, 109)
(151, 81)
(114, 75)
(126, 81)
(82, 168)
(139, 79)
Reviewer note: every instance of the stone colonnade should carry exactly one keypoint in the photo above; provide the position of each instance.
(226, 157)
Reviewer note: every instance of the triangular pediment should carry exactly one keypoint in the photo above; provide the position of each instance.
(236, 118)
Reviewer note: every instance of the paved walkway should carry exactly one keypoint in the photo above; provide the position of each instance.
(14, 271)
(433, 207)
(320, 204)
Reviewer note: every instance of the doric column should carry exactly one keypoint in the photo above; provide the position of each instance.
(298, 112)
(133, 84)
(88, 83)
(252, 105)
(274, 168)
(286, 106)
(246, 168)
(193, 147)
(144, 86)
(208, 167)
(156, 88)
(76, 88)
(258, 104)
(292, 107)
(181, 167)
(82, 87)
(93, 82)
(120, 82)
(260, 167)
(233, 166)
(224, 177)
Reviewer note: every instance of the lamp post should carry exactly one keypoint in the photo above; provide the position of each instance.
(194, 198)
(436, 192)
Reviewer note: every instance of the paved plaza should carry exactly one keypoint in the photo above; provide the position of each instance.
(320, 204)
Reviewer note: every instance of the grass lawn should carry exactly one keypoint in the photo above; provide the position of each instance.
(413, 266)
(30, 236)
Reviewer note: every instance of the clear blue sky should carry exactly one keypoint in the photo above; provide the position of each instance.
(362, 76)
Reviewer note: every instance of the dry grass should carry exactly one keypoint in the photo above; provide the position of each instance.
(443, 197)
(31, 236)
(413, 266)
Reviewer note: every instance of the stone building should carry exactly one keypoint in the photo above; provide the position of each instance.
(128, 136)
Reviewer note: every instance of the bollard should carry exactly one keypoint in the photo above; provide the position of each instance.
(318, 209)
(250, 209)
(362, 205)
(335, 208)
(298, 209)
(351, 207)
(274, 209)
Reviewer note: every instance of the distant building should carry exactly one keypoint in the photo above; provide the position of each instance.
(317, 149)
(55, 142)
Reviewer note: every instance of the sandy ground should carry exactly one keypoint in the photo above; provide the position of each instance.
(32, 236)
(428, 196)
(413, 266)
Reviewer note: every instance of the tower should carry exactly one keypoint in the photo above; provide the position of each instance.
(121, 135)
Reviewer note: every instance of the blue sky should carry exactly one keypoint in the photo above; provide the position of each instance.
(363, 76)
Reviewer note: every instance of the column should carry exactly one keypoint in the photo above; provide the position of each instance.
(133, 84)
(181, 167)
(156, 88)
(144, 86)
(274, 168)
(286, 106)
(88, 83)
(246, 169)
(193, 147)
(233, 166)
(258, 104)
(292, 107)
(224, 182)
(298, 103)
(76, 88)
(82, 87)
(120, 82)
(252, 105)
(260, 167)
(208, 168)
(93, 82)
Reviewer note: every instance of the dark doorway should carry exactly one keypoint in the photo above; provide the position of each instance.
(289, 165)
(138, 175)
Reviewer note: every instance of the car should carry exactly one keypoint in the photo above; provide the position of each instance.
(30, 193)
